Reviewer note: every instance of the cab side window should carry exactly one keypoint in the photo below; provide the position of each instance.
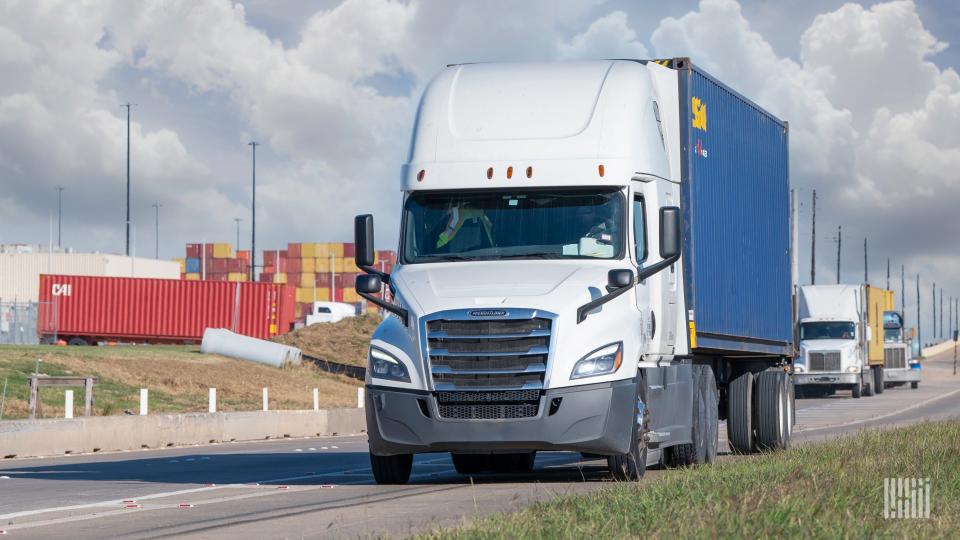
(640, 228)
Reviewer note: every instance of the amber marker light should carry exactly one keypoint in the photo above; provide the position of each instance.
(529, 172)
(509, 172)
(421, 174)
(600, 170)
(489, 173)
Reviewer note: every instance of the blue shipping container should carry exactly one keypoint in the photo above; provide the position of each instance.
(193, 266)
(736, 209)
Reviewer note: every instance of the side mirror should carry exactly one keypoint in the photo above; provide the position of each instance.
(369, 283)
(670, 232)
(363, 239)
(620, 278)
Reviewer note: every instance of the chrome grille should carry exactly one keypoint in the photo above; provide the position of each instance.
(824, 361)
(488, 369)
(894, 358)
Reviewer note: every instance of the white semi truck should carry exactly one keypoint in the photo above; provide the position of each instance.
(593, 257)
(899, 365)
(834, 341)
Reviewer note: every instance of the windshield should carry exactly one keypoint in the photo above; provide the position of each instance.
(514, 224)
(826, 330)
(892, 335)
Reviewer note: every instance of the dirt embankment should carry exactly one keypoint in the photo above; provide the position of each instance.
(345, 341)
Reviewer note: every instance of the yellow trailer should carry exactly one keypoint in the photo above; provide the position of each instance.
(877, 302)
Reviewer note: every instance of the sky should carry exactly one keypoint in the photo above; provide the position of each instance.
(330, 88)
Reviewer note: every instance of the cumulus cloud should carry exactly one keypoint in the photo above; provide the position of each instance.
(607, 37)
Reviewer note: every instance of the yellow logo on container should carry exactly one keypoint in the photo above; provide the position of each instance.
(699, 114)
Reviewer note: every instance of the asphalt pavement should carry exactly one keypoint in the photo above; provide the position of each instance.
(322, 487)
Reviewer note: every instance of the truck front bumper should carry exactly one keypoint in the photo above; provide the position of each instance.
(595, 418)
(901, 375)
(826, 378)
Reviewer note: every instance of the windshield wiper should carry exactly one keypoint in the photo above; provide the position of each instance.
(429, 258)
(531, 256)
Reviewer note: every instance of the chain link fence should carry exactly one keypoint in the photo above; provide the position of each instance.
(18, 323)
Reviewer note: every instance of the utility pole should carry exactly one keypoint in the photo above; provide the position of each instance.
(813, 243)
(934, 311)
(941, 312)
(156, 235)
(839, 240)
(918, 315)
(128, 105)
(888, 273)
(253, 215)
(238, 220)
(59, 214)
(903, 296)
(866, 279)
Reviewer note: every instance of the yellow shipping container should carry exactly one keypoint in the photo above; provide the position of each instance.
(311, 294)
(323, 265)
(183, 264)
(323, 294)
(308, 266)
(350, 265)
(304, 294)
(350, 295)
(280, 277)
(308, 279)
(222, 251)
(876, 302)
(192, 276)
(236, 276)
(327, 249)
(308, 250)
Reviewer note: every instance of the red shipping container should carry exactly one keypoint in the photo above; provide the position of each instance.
(349, 250)
(217, 266)
(193, 251)
(293, 251)
(293, 266)
(243, 255)
(269, 258)
(159, 310)
(266, 277)
(282, 265)
(208, 252)
(216, 276)
(237, 265)
(323, 279)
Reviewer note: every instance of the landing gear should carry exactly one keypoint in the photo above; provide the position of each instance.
(878, 383)
(633, 464)
(740, 413)
(774, 410)
(705, 427)
(391, 469)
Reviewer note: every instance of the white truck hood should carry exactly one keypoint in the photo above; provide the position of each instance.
(550, 285)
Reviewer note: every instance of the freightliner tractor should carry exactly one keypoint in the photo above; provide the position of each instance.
(899, 365)
(593, 257)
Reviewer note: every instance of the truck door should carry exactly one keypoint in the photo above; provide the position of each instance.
(657, 297)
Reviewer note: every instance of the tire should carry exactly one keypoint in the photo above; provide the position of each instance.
(774, 412)
(868, 390)
(857, 389)
(391, 469)
(740, 413)
(705, 426)
(77, 342)
(878, 383)
(633, 464)
(914, 385)
(469, 463)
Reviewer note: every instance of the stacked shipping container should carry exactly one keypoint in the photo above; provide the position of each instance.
(215, 262)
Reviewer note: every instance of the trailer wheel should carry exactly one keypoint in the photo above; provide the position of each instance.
(914, 385)
(857, 389)
(740, 413)
(705, 427)
(774, 411)
(391, 469)
(633, 464)
(77, 342)
(878, 383)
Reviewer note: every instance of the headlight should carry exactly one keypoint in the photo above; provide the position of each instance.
(384, 365)
(602, 361)
(798, 368)
(853, 369)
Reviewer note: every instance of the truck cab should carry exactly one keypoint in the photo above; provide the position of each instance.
(833, 340)
(899, 365)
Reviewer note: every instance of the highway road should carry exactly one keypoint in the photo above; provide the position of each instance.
(322, 487)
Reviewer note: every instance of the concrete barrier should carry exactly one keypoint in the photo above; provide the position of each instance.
(33, 438)
(938, 348)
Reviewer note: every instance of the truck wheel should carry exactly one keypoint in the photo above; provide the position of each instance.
(878, 383)
(868, 389)
(77, 342)
(774, 412)
(391, 469)
(633, 464)
(914, 385)
(469, 463)
(857, 388)
(705, 427)
(740, 413)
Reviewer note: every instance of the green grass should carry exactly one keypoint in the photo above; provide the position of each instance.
(828, 490)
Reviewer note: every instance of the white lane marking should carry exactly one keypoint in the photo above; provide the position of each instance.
(882, 416)
(312, 449)
(4, 477)
(334, 447)
(299, 450)
(325, 448)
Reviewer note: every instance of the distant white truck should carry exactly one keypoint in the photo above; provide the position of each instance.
(834, 340)
(330, 312)
(899, 367)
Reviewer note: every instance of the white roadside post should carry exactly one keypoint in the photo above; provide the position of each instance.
(212, 401)
(68, 404)
(360, 397)
(266, 400)
(316, 399)
(144, 397)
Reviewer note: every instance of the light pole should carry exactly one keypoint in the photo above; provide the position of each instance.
(253, 215)
(59, 214)
(238, 220)
(156, 207)
(128, 105)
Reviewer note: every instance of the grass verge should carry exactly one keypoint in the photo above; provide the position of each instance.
(177, 376)
(828, 490)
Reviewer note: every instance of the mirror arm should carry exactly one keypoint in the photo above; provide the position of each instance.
(653, 269)
(583, 310)
(395, 309)
(384, 277)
